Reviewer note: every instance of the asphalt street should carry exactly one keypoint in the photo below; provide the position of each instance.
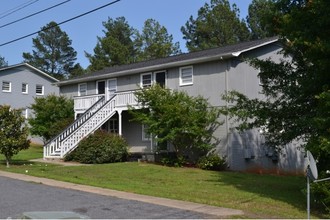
(18, 196)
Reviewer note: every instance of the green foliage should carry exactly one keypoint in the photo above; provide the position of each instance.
(296, 89)
(51, 115)
(320, 194)
(100, 147)
(3, 62)
(260, 18)
(54, 54)
(217, 24)
(155, 42)
(13, 132)
(186, 122)
(211, 162)
(177, 161)
(115, 48)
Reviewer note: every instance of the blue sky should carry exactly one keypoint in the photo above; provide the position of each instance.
(84, 31)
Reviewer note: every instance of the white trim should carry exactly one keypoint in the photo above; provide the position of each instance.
(42, 89)
(161, 71)
(97, 86)
(167, 65)
(141, 79)
(6, 86)
(31, 67)
(26, 88)
(108, 86)
(192, 76)
(79, 89)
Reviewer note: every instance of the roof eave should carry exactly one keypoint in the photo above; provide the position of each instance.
(147, 69)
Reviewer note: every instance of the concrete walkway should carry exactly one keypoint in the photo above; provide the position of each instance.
(189, 206)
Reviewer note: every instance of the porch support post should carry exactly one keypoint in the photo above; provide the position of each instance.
(120, 132)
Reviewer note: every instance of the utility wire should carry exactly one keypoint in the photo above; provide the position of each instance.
(63, 22)
(34, 14)
(18, 8)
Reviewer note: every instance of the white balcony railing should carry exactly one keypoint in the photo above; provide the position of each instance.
(82, 103)
(122, 99)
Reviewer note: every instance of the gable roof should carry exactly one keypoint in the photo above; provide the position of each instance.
(173, 61)
(30, 67)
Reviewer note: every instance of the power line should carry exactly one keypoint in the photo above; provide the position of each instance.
(34, 14)
(63, 22)
(18, 8)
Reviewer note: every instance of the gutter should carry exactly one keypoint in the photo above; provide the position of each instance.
(147, 69)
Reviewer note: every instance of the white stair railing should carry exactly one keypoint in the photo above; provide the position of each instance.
(91, 120)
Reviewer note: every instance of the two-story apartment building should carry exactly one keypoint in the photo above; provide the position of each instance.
(21, 83)
(101, 99)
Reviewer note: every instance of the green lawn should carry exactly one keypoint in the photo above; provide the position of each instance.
(259, 196)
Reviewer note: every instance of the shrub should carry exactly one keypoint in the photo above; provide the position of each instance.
(211, 162)
(100, 147)
(173, 161)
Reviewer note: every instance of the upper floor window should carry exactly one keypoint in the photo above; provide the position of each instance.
(6, 86)
(82, 89)
(146, 80)
(25, 88)
(112, 86)
(186, 75)
(39, 89)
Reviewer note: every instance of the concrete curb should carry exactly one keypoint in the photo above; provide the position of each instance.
(189, 206)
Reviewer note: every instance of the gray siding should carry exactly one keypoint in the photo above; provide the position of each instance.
(211, 79)
(20, 75)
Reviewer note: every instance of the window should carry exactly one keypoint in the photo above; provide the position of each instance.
(25, 88)
(82, 89)
(186, 75)
(6, 86)
(145, 134)
(112, 86)
(146, 80)
(39, 89)
(113, 126)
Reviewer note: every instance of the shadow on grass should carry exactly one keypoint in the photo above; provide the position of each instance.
(17, 162)
(288, 189)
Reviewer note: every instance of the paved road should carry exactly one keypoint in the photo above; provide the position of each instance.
(18, 196)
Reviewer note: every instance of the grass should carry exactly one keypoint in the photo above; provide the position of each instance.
(259, 196)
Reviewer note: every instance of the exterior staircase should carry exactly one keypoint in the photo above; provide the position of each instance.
(92, 119)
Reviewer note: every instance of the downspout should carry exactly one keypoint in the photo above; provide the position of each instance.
(226, 119)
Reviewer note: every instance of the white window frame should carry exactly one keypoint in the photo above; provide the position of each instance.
(79, 89)
(113, 125)
(141, 80)
(111, 90)
(6, 86)
(145, 135)
(190, 82)
(42, 89)
(161, 71)
(26, 88)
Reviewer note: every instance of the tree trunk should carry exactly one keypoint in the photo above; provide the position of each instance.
(7, 162)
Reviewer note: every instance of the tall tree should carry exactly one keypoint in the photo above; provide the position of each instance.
(259, 19)
(3, 62)
(297, 89)
(13, 132)
(217, 24)
(53, 52)
(155, 42)
(116, 47)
